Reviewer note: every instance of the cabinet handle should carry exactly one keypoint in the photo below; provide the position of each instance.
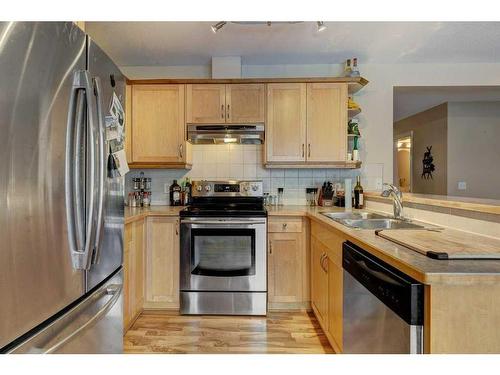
(284, 226)
(228, 114)
(222, 111)
(322, 262)
(309, 150)
(270, 247)
(180, 150)
(302, 150)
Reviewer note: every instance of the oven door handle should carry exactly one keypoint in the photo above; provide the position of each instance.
(223, 222)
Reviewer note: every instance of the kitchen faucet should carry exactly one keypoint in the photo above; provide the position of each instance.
(397, 199)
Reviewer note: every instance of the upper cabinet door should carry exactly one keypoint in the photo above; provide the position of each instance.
(206, 104)
(286, 122)
(326, 122)
(245, 103)
(158, 123)
(128, 123)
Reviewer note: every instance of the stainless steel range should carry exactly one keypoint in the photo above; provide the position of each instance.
(223, 249)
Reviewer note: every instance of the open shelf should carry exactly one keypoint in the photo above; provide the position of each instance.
(351, 113)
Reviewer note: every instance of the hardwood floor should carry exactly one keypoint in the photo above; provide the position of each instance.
(295, 333)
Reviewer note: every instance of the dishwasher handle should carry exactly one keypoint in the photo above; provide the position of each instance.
(398, 291)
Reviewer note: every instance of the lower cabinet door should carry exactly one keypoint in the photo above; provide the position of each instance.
(319, 282)
(127, 300)
(133, 276)
(335, 303)
(285, 276)
(138, 276)
(162, 263)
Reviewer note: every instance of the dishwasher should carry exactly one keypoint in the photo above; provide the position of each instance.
(383, 309)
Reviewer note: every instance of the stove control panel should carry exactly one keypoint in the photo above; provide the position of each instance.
(252, 188)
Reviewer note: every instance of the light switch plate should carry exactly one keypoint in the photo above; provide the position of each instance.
(378, 183)
(166, 188)
(462, 185)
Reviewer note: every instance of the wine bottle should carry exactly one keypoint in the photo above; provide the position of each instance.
(175, 194)
(358, 194)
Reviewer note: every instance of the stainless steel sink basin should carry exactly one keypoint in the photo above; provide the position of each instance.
(340, 216)
(386, 223)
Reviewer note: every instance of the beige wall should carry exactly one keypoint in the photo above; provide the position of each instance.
(474, 149)
(429, 128)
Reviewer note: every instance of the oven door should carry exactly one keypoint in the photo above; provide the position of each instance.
(223, 254)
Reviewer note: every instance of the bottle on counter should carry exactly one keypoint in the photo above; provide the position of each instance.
(280, 196)
(146, 199)
(175, 194)
(358, 194)
(187, 192)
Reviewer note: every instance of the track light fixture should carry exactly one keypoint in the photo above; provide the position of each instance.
(218, 26)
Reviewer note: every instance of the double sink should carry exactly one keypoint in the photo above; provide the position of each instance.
(370, 220)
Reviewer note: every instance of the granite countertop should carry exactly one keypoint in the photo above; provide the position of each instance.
(418, 266)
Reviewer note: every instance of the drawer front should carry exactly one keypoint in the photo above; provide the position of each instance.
(285, 225)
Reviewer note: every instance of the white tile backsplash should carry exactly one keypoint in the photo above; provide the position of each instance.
(233, 161)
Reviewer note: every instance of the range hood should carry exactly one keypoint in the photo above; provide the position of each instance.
(226, 133)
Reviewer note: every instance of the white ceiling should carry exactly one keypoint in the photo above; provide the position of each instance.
(409, 100)
(193, 43)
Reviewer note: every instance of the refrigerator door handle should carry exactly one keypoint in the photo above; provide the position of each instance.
(80, 252)
(102, 162)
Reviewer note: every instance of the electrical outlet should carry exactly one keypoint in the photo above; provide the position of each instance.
(462, 185)
(166, 188)
(378, 183)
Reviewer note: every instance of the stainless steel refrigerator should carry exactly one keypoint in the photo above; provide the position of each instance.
(61, 198)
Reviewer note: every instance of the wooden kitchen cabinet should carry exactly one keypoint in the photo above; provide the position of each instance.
(327, 282)
(158, 134)
(162, 263)
(225, 103)
(335, 302)
(286, 122)
(306, 125)
(133, 265)
(319, 282)
(205, 103)
(245, 103)
(285, 259)
(326, 122)
(128, 123)
(288, 264)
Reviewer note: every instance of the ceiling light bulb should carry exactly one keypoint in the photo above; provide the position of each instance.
(321, 26)
(218, 26)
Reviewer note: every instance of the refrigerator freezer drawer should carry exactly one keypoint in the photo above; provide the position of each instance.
(93, 326)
